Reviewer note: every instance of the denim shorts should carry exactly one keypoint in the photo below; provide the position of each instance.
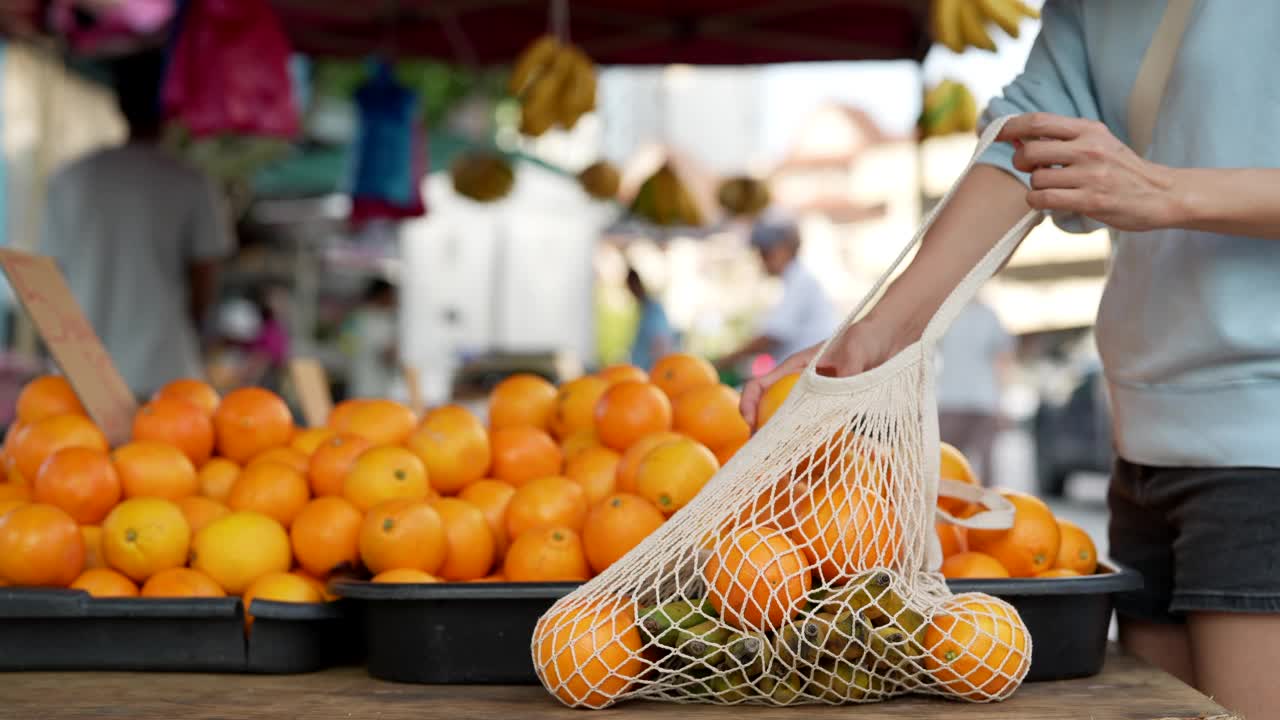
(1204, 539)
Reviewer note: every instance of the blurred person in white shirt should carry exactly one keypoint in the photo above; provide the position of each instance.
(804, 315)
(973, 355)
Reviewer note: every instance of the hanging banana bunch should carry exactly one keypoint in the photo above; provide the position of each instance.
(963, 23)
(665, 200)
(482, 176)
(743, 196)
(601, 180)
(949, 107)
(555, 83)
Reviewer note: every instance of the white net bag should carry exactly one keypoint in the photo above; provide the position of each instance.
(805, 571)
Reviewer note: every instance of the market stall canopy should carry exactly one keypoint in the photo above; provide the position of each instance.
(612, 32)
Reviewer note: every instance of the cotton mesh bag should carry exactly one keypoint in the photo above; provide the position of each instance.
(805, 571)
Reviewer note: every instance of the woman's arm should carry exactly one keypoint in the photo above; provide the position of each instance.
(1228, 201)
(986, 204)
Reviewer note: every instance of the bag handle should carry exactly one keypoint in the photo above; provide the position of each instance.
(968, 287)
(1153, 73)
(997, 516)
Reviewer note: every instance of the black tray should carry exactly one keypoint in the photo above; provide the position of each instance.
(1068, 617)
(69, 630)
(479, 633)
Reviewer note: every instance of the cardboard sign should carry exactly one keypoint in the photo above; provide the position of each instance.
(312, 385)
(43, 292)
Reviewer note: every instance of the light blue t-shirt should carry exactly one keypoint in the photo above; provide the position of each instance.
(1189, 326)
(653, 326)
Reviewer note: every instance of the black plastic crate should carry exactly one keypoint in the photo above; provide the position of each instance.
(69, 630)
(1068, 617)
(480, 633)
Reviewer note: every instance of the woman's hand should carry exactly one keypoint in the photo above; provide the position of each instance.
(1079, 166)
(864, 345)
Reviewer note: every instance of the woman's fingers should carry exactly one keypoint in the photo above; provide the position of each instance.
(756, 387)
(1062, 177)
(1034, 126)
(1037, 154)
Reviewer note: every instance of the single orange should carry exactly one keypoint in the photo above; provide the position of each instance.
(774, 397)
(316, 583)
(217, 477)
(178, 423)
(143, 536)
(470, 542)
(381, 422)
(549, 554)
(385, 473)
(952, 538)
(589, 653)
(678, 372)
(846, 529)
(308, 440)
(546, 502)
(522, 400)
(403, 534)
(578, 441)
(332, 462)
(40, 545)
(237, 549)
(575, 406)
(726, 453)
(756, 578)
(404, 576)
(521, 454)
(92, 536)
(1076, 551)
(326, 536)
(971, 564)
(954, 466)
(81, 481)
(35, 442)
(1030, 546)
(104, 583)
(279, 587)
(629, 464)
(200, 511)
(492, 498)
(181, 582)
(250, 420)
(286, 455)
(494, 578)
(710, 415)
(197, 392)
(629, 411)
(271, 488)
(616, 525)
(45, 397)
(977, 647)
(453, 446)
(151, 469)
(596, 470)
(615, 374)
(673, 473)
(9, 491)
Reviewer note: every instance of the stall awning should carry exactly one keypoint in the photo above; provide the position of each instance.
(613, 32)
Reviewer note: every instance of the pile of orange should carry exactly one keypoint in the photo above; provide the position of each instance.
(221, 495)
(1038, 545)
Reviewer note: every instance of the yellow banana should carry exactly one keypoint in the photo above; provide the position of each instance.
(578, 93)
(664, 199)
(945, 21)
(531, 63)
(1003, 13)
(539, 105)
(973, 27)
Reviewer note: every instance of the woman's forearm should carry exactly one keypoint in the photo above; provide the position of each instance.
(986, 204)
(1227, 201)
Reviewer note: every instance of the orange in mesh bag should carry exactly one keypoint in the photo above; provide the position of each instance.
(805, 571)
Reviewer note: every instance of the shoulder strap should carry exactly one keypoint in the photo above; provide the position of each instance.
(1153, 73)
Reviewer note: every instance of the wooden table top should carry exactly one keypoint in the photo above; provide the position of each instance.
(1126, 689)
